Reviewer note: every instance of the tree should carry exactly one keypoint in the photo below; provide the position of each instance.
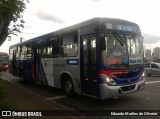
(11, 18)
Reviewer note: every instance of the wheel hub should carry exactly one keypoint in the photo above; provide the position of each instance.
(68, 86)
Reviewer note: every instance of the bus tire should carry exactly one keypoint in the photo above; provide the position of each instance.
(68, 87)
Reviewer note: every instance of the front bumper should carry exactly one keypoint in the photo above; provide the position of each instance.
(116, 91)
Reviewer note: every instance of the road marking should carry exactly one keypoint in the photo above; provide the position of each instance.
(152, 82)
(57, 97)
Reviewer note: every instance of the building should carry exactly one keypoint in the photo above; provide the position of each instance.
(148, 55)
(156, 53)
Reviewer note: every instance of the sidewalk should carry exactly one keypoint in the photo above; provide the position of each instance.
(23, 99)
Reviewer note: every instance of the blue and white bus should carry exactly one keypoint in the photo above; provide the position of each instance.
(100, 57)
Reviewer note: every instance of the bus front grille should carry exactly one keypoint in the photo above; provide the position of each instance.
(128, 88)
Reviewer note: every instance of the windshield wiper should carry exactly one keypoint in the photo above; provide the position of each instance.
(119, 38)
(132, 36)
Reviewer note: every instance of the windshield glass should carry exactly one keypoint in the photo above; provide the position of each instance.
(3, 59)
(122, 51)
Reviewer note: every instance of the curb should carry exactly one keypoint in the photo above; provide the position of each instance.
(53, 104)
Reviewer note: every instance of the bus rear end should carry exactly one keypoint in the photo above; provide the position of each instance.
(3, 61)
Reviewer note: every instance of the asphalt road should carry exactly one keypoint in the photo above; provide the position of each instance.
(147, 99)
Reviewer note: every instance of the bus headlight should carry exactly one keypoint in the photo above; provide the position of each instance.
(108, 80)
(142, 77)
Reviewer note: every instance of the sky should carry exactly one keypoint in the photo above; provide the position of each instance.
(44, 16)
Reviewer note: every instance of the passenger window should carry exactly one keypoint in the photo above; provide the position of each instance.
(10, 54)
(93, 48)
(154, 66)
(69, 44)
(29, 52)
(23, 52)
(54, 45)
(17, 55)
(49, 50)
(85, 50)
(85, 57)
(147, 65)
(43, 50)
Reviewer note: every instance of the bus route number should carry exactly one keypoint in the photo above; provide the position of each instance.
(118, 27)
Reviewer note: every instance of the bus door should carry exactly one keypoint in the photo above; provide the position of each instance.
(89, 83)
(14, 68)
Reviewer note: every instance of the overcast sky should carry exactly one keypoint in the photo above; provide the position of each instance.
(44, 16)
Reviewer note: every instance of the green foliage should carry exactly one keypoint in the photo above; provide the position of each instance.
(3, 105)
(7, 106)
(2, 93)
(11, 10)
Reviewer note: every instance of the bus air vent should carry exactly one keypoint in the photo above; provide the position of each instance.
(128, 88)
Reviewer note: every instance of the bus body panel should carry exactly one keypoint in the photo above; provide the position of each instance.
(39, 72)
(47, 64)
(116, 91)
(72, 68)
(123, 77)
(49, 67)
(24, 68)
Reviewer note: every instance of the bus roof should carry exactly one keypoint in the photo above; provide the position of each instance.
(89, 22)
(3, 53)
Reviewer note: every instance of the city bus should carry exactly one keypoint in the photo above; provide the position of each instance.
(80, 59)
(3, 61)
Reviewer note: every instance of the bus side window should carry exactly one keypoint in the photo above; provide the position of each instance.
(69, 44)
(53, 46)
(23, 52)
(14, 52)
(85, 57)
(10, 54)
(39, 51)
(18, 53)
(49, 50)
(29, 52)
(56, 46)
(43, 50)
(93, 46)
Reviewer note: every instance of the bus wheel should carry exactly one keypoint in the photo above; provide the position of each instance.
(68, 87)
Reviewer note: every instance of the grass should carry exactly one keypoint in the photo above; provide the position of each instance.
(3, 94)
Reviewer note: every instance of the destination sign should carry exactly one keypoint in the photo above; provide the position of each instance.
(119, 27)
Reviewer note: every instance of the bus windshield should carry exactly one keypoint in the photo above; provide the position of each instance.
(122, 51)
(3, 59)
